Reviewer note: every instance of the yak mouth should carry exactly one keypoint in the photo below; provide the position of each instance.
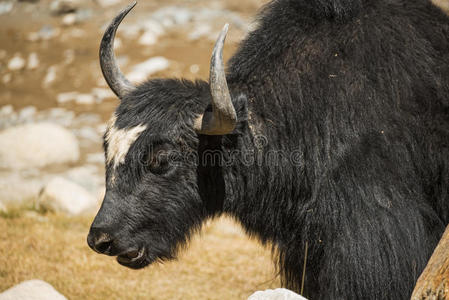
(134, 259)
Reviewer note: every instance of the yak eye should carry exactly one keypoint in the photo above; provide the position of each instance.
(158, 158)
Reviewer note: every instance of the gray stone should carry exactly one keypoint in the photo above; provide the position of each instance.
(16, 63)
(62, 195)
(87, 176)
(15, 189)
(32, 290)
(106, 3)
(50, 77)
(141, 71)
(69, 19)
(37, 145)
(59, 7)
(277, 294)
(33, 61)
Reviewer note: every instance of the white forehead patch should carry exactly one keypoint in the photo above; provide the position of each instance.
(119, 141)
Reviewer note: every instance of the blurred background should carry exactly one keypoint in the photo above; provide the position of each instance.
(54, 104)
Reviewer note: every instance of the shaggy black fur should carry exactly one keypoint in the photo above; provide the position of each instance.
(358, 91)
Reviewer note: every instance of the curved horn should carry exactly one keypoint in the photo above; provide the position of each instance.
(222, 119)
(111, 71)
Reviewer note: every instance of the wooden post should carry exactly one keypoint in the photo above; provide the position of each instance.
(433, 284)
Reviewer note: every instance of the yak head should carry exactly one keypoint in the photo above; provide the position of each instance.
(152, 202)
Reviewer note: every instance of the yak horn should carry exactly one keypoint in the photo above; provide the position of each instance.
(222, 119)
(111, 71)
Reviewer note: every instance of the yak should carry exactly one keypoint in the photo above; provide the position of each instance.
(326, 138)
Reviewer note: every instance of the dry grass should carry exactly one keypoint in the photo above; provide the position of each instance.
(221, 263)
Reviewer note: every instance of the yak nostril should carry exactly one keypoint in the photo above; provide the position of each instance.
(103, 243)
(99, 241)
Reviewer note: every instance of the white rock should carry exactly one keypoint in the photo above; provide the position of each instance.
(79, 98)
(6, 7)
(69, 56)
(27, 113)
(200, 31)
(37, 145)
(33, 61)
(87, 119)
(47, 32)
(32, 290)
(57, 115)
(63, 6)
(173, 15)
(87, 176)
(86, 99)
(194, 68)
(65, 196)
(69, 19)
(89, 134)
(66, 97)
(277, 294)
(50, 77)
(95, 158)
(105, 3)
(6, 110)
(148, 38)
(141, 71)
(100, 94)
(118, 43)
(16, 189)
(16, 63)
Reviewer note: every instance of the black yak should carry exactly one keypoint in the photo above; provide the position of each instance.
(328, 133)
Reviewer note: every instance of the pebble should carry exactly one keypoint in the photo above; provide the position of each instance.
(69, 19)
(69, 56)
(6, 110)
(148, 38)
(59, 7)
(106, 3)
(200, 31)
(47, 32)
(16, 63)
(33, 61)
(101, 93)
(194, 69)
(141, 71)
(50, 77)
(86, 99)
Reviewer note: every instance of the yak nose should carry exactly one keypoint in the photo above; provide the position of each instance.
(99, 240)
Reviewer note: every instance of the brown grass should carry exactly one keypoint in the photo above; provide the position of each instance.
(221, 263)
